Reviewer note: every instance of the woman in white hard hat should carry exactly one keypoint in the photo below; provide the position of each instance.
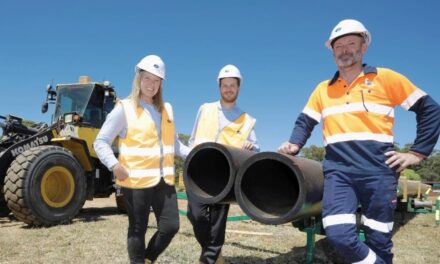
(145, 166)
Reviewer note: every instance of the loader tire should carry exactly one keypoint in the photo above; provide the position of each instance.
(45, 186)
(4, 210)
(120, 204)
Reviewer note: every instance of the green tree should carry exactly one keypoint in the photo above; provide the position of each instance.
(313, 152)
(178, 161)
(429, 170)
(405, 147)
(410, 175)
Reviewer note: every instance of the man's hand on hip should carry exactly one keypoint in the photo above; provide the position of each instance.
(400, 161)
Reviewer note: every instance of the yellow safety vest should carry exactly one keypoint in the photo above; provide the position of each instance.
(141, 152)
(234, 134)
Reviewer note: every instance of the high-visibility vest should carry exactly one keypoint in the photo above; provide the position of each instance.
(234, 134)
(142, 152)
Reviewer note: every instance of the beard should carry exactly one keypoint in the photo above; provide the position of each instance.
(349, 59)
(229, 98)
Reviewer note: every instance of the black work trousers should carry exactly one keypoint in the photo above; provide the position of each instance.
(209, 224)
(162, 198)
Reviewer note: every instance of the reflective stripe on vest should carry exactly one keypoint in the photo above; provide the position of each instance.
(234, 134)
(141, 150)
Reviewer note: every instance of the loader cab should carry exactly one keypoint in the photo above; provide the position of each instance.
(85, 104)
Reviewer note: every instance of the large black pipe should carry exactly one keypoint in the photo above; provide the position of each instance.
(274, 188)
(210, 170)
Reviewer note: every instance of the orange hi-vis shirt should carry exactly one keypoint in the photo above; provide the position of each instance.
(358, 118)
(146, 155)
(363, 110)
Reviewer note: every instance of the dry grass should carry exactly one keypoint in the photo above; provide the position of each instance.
(98, 235)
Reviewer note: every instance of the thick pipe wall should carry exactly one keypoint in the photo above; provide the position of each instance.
(270, 187)
(274, 188)
(210, 170)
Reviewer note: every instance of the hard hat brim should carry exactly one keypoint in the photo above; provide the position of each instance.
(367, 38)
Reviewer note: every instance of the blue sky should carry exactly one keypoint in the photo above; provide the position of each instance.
(278, 46)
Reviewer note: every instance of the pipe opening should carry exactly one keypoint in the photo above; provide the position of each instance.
(270, 188)
(208, 173)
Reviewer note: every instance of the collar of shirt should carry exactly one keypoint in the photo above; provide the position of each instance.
(366, 69)
(235, 109)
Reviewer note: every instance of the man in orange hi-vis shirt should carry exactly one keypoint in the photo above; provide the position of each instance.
(360, 166)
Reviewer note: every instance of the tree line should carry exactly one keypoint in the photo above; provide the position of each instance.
(428, 170)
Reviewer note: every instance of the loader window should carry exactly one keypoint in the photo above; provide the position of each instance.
(72, 98)
(93, 114)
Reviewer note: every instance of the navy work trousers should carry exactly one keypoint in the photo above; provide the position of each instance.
(377, 195)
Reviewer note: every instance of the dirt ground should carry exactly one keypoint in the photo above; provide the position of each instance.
(98, 235)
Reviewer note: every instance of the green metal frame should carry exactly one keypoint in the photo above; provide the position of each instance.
(411, 209)
(313, 226)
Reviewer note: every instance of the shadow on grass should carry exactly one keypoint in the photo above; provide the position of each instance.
(324, 254)
(401, 218)
(95, 214)
(85, 215)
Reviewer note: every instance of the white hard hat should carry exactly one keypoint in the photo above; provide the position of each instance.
(152, 64)
(348, 26)
(229, 71)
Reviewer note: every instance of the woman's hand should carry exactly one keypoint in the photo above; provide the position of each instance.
(120, 172)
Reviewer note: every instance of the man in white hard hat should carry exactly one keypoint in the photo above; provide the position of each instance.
(222, 122)
(360, 166)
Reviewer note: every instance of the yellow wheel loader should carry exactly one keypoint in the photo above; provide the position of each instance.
(48, 171)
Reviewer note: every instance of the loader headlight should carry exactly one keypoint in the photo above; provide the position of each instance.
(72, 118)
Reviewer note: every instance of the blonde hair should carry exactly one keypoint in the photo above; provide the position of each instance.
(135, 94)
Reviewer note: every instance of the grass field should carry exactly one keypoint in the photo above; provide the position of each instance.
(98, 235)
